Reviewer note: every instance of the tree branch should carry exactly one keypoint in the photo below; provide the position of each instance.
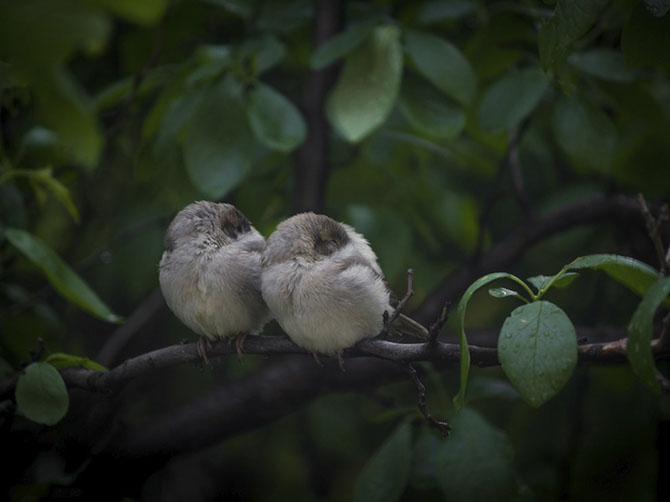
(311, 164)
(519, 241)
(283, 386)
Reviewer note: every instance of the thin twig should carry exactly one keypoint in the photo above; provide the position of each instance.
(653, 228)
(401, 304)
(435, 328)
(440, 425)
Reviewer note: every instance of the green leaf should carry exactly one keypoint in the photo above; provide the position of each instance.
(640, 332)
(537, 349)
(541, 281)
(274, 119)
(635, 275)
(143, 12)
(367, 87)
(475, 462)
(606, 64)
(340, 45)
(56, 31)
(430, 111)
(443, 65)
(511, 99)
(385, 475)
(506, 293)
(60, 360)
(174, 115)
(57, 96)
(218, 143)
(60, 275)
(439, 10)
(242, 8)
(645, 39)
(570, 21)
(41, 395)
(459, 400)
(585, 133)
(264, 52)
(45, 178)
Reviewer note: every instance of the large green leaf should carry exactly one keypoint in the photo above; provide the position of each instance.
(274, 119)
(537, 349)
(606, 64)
(340, 45)
(430, 111)
(459, 400)
(367, 87)
(586, 134)
(640, 332)
(40, 34)
(57, 96)
(512, 98)
(475, 462)
(41, 395)
(385, 475)
(443, 64)
(570, 21)
(60, 275)
(218, 144)
(635, 275)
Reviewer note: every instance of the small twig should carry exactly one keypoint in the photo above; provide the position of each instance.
(653, 227)
(440, 425)
(37, 353)
(401, 304)
(435, 328)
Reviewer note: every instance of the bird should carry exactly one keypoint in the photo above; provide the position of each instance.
(322, 283)
(210, 273)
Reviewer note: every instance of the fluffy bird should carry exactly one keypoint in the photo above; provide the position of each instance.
(322, 283)
(210, 273)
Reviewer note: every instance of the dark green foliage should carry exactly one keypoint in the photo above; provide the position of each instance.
(444, 131)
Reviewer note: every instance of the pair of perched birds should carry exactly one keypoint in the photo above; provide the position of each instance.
(318, 278)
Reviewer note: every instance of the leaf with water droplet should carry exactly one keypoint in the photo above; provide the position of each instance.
(640, 331)
(541, 281)
(634, 274)
(459, 400)
(505, 293)
(538, 366)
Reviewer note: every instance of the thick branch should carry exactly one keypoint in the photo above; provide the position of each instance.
(311, 166)
(448, 353)
(283, 386)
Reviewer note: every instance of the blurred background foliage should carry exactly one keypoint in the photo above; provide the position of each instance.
(116, 114)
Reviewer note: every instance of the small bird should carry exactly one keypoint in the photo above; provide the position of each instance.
(322, 283)
(210, 273)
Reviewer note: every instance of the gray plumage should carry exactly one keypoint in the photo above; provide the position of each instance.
(322, 283)
(210, 271)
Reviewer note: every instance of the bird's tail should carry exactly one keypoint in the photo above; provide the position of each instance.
(403, 325)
